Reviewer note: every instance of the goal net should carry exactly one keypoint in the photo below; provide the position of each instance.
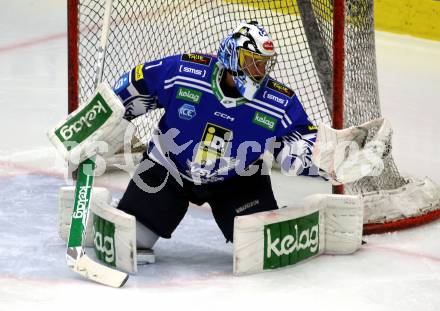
(302, 30)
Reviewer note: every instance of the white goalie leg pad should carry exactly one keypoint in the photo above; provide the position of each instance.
(346, 155)
(284, 237)
(65, 208)
(96, 128)
(343, 221)
(275, 239)
(114, 234)
(125, 233)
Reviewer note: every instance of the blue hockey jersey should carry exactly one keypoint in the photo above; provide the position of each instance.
(206, 136)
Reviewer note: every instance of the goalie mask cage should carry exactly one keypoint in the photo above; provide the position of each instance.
(326, 53)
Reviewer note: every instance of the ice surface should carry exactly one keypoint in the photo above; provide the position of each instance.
(398, 271)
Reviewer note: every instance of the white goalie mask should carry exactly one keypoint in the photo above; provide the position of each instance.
(250, 55)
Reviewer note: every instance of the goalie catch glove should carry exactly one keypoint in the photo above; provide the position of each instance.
(353, 153)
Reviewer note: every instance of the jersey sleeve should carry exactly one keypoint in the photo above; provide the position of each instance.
(142, 88)
(294, 154)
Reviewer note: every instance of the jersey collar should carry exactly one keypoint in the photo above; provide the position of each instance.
(228, 102)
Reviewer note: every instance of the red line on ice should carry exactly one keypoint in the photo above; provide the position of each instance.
(21, 169)
(402, 252)
(32, 42)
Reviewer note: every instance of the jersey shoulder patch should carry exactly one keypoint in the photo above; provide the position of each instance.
(196, 66)
(196, 58)
(277, 94)
(279, 88)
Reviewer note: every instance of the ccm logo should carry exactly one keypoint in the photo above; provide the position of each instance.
(224, 116)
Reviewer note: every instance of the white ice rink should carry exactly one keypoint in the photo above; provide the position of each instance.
(398, 271)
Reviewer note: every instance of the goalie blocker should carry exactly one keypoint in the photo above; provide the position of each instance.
(96, 128)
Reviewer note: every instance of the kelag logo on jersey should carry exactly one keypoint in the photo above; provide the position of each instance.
(265, 121)
(197, 58)
(214, 143)
(187, 112)
(190, 95)
(278, 87)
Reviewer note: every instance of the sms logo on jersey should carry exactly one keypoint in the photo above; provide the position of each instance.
(214, 143)
(187, 112)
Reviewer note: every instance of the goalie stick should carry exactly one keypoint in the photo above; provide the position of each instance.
(76, 257)
(77, 260)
